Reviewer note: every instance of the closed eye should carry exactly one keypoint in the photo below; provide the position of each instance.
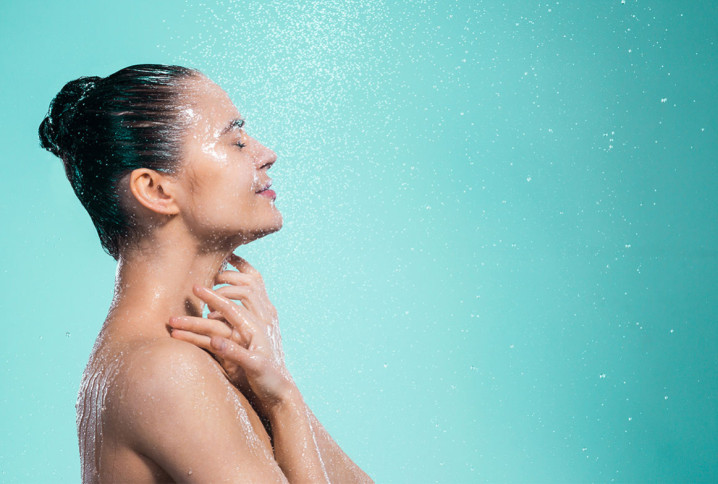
(236, 124)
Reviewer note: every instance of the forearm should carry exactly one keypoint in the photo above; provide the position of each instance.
(296, 421)
(338, 465)
(296, 447)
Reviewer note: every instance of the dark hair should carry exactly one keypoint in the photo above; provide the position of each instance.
(103, 128)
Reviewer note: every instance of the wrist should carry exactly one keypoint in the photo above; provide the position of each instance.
(288, 402)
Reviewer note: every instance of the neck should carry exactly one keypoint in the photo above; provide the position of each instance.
(153, 284)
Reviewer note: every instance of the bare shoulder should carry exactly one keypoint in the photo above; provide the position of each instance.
(173, 404)
(166, 368)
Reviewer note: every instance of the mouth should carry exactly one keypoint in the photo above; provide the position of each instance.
(266, 192)
(265, 187)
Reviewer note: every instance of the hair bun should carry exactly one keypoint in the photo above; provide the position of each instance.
(56, 129)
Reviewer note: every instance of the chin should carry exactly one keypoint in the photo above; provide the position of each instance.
(277, 225)
(262, 231)
(270, 230)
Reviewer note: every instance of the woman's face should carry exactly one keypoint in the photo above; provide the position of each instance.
(222, 182)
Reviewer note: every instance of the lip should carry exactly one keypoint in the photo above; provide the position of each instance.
(265, 187)
(268, 193)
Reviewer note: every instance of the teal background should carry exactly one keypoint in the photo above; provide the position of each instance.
(499, 254)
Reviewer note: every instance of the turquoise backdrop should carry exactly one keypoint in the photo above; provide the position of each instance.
(499, 255)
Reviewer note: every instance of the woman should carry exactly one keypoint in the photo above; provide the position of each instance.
(158, 157)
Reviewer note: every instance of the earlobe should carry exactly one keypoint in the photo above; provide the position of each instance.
(153, 190)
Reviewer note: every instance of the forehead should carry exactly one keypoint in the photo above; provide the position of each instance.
(209, 107)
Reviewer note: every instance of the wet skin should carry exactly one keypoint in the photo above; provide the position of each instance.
(169, 395)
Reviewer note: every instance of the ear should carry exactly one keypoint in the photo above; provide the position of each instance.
(154, 191)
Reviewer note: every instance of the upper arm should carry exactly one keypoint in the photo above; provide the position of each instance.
(181, 412)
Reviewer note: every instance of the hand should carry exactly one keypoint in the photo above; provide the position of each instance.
(244, 338)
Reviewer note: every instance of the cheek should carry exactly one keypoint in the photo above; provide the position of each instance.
(218, 190)
(224, 194)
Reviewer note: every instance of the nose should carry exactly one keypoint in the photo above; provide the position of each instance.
(271, 158)
(265, 157)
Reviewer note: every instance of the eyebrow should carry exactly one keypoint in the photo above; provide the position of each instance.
(235, 123)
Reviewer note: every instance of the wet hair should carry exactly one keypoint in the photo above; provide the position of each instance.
(103, 128)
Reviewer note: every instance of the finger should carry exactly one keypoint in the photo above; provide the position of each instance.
(216, 315)
(236, 315)
(253, 280)
(255, 301)
(242, 265)
(240, 293)
(235, 292)
(250, 273)
(229, 350)
(238, 333)
(234, 278)
(209, 328)
(200, 340)
(203, 326)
